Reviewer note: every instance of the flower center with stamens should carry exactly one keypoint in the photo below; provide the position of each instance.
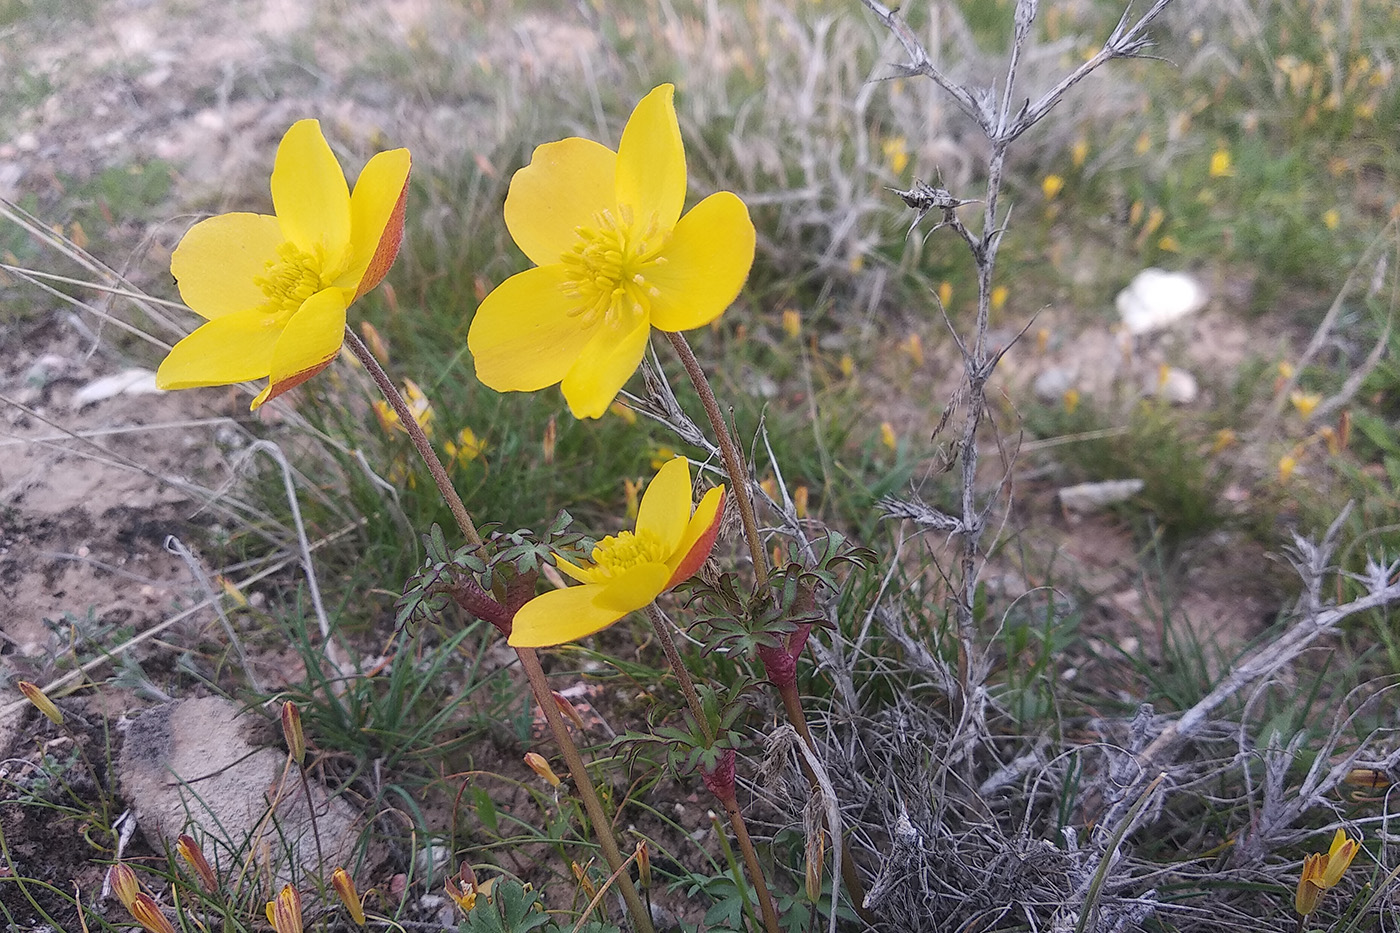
(608, 266)
(291, 278)
(616, 554)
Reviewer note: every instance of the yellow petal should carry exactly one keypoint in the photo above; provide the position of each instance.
(603, 368)
(665, 508)
(217, 260)
(651, 161)
(581, 574)
(311, 197)
(699, 538)
(229, 349)
(561, 615)
(309, 344)
(523, 337)
(634, 588)
(707, 261)
(564, 186)
(376, 219)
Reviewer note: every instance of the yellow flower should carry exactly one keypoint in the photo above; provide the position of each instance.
(1079, 152)
(1220, 164)
(1286, 465)
(1051, 185)
(792, 323)
(999, 295)
(540, 765)
(274, 290)
(345, 889)
(1305, 402)
(417, 403)
(284, 913)
(41, 702)
(631, 568)
(466, 448)
(614, 258)
(1321, 872)
(887, 435)
(896, 151)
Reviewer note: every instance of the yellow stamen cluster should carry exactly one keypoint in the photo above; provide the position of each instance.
(621, 552)
(291, 279)
(607, 268)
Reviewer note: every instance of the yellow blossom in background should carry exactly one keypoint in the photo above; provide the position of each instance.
(914, 346)
(627, 571)
(800, 497)
(999, 296)
(1220, 164)
(1071, 401)
(466, 448)
(1042, 339)
(896, 150)
(613, 259)
(1169, 244)
(274, 289)
(1285, 369)
(1051, 185)
(661, 457)
(623, 412)
(375, 342)
(418, 405)
(792, 323)
(847, 365)
(631, 491)
(1079, 152)
(1143, 144)
(1286, 465)
(887, 435)
(547, 443)
(945, 293)
(1135, 213)
(1331, 219)
(1224, 438)
(1305, 402)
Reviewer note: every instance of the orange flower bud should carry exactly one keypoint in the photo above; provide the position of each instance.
(345, 889)
(643, 864)
(41, 702)
(541, 767)
(191, 852)
(284, 913)
(147, 913)
(567, 708)
(124, 884)
(292, 732)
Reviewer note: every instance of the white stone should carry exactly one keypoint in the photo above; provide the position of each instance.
(1176, 386)
(1155, 299)
(1090, 497)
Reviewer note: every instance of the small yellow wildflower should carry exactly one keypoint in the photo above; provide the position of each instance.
(1331, 219)
(1079, 152)
(630, 569)
(1305, 402)
(1220, 164)
(800, 495)
(631, 490)
(345, 890)
(418, 405)
(847, 365)
(1169, 244)
(914, 346)
(1143, 144)
(466, 448)
(1051, 185)
(662, 456)
(377, 347)
(999, 296)
(896, 150)
(945, 293)
(887, 435)
(614, 258)
(792, 323)
(538, 764)
(1154, 220)
(623, 412)
(1323, 871)
(41, 702)
(284, 912)
(1224, 438)
(274, 289)
(1071, 401)
(1285, 369)
(1286, 465)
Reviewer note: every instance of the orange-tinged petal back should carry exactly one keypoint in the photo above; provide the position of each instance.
(308, 345)
(523, 337)
(564, 186)
(217, 260)
(376, 219)
(707, 262)
(311, 196)
(603, 368)
(561, 615)
(665, 508)
(651, 161)
(699, 537)
(229, 349)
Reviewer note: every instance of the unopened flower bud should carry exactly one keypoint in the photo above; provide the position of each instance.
(124, 884)
(541, 767)
(345, 889)
(816, 856)
(720, 778)
(284, 912)
(568, 710)
(41, 702)
(590, 890)
(643, 864)
(147, 912)
(292, 732)
(191, 852)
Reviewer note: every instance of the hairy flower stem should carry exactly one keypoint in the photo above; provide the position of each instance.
(731, 806)
(729, 450)
(602, 826)
(416, 435)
